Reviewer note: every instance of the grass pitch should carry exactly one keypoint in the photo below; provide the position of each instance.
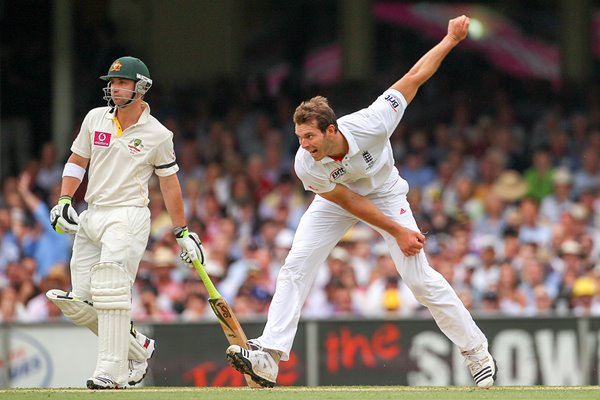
(312, 393)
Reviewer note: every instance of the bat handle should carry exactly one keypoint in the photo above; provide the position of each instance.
(212, 290)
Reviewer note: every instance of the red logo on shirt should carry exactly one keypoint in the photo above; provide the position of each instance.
(402, 211)
(102, 138)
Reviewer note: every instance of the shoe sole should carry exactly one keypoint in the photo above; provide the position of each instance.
(133, 383)
(245, 367)
(91, 385)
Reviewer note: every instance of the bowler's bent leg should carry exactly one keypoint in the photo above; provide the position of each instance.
(320, 229)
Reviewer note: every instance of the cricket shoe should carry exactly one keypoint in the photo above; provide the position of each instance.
(253, 344)
(259, 364)
(139, 369)
(103, 382)
(482, 366)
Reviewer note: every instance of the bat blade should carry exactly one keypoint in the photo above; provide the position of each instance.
(232, 328)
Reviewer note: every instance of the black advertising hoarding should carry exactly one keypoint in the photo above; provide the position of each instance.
(541, 351)
(366, 353)
(194, 355)
(529, 351)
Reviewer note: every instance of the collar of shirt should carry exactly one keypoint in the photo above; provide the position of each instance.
(352, 148)
(143, 118)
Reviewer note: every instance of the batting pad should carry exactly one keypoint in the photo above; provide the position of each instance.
(141, 346)
(82, 313)
(111, 295)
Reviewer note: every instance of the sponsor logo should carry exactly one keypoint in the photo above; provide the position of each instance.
(116, 66)
(30, 364)
(368, 159)
(336, 173)
(393, 102)
(135, 146)
(102, 139)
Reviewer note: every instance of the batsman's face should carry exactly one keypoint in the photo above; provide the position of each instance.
(311, 139)
(121, 90)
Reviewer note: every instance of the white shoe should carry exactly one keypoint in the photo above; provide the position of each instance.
(482, 366)
(253, 344)
(102, 382)
(259, 364)
(138, 369)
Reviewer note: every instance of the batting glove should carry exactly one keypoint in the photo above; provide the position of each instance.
(191, 245)
(63, 217)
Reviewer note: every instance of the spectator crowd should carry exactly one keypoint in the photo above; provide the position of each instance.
(510, 206)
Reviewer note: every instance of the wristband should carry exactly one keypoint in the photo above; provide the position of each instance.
(180, 231)
(74, 170)
(65, 200)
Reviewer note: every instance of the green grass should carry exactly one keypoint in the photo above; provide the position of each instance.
(312, 393)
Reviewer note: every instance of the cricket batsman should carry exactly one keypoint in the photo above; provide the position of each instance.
(121, 145)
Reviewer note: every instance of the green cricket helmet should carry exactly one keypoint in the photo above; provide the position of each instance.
(130, 68)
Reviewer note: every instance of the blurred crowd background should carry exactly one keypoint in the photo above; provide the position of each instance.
(504, 178)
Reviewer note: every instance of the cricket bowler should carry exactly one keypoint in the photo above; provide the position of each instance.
(348, 162)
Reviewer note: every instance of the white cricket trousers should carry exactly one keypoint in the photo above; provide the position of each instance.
(115, 237)
(320, 229)
(108, 234)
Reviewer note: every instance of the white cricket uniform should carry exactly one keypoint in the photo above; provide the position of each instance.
(116, 225)
(368, 169)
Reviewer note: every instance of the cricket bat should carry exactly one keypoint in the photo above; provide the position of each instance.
(231, 326)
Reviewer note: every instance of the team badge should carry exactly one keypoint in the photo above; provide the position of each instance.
(116, 66)
(135, 146)
(368, 159)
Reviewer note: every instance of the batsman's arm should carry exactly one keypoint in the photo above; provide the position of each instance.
(70, 182)
(171, 191)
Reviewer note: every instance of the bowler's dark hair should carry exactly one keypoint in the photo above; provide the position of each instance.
(316, 109)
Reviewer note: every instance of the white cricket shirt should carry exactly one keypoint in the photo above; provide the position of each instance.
(368, 168)
(121, 165)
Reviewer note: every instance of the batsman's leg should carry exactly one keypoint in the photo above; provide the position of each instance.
(82, 313)
(116, 242)
(141, 349)
(111, 295)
